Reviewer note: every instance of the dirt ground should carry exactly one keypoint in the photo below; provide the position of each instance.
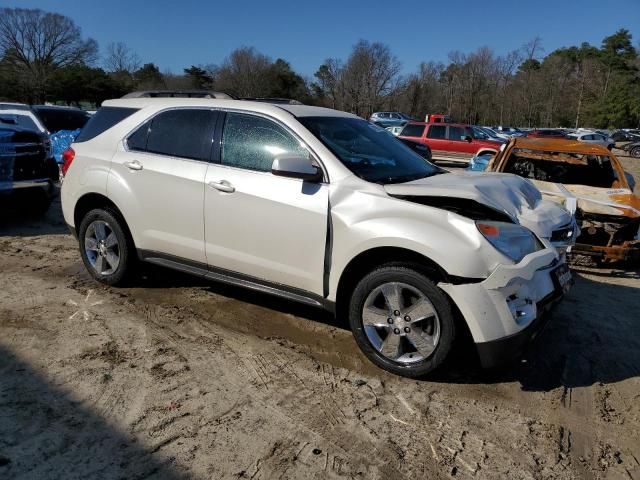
(180, 378)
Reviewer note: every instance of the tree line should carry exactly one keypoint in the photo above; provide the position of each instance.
(44, 57)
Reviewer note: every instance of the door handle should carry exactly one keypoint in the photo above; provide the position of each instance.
(134, 165)
(223, 186)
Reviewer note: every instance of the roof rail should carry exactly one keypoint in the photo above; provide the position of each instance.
(276, 100)
(178, 94)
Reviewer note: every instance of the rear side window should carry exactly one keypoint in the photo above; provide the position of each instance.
(411, 130)
(23, 121)
(437, 131)
(253, 142)
(185, 133)
(138, 139)
(103, 120)
(456, 133)
(55, 119)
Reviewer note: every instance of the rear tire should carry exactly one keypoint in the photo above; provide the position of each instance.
(635, 152)
(105, 246)
(401, 321)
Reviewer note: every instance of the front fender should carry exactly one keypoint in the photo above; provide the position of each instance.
(362, 221)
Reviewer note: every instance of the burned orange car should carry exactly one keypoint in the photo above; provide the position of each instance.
(588, 180)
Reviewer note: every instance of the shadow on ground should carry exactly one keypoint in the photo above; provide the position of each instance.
(45, 433)
(14, 222)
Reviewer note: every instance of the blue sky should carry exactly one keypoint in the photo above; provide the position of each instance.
(178, 33)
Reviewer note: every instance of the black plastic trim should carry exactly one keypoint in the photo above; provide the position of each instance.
(234, 278)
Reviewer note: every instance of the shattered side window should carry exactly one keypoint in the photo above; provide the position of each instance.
(557, 167)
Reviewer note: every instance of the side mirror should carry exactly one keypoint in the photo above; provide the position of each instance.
(467, 138)
(295, 166)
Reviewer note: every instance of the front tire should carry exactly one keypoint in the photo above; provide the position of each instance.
(106, 250)
(401, 321)
(635, 152)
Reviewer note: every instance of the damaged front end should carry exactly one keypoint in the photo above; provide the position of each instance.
(608, 238)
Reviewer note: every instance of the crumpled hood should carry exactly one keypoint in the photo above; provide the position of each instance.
(513, 195)
(604, 201)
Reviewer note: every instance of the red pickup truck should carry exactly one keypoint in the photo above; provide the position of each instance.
(449, 142)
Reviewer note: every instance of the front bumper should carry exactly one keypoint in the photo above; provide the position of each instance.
(504, 311)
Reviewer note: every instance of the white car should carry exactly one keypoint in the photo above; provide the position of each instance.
(395, 131)
(591, 137)
(320, 207)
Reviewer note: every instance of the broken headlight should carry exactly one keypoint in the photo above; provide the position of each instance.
(510, 239)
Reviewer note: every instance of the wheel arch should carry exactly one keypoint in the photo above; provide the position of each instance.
(91, 201)
(367, 260)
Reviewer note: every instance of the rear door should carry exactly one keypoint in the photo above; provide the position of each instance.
(257, 224)
(159, 180)
(436, 138)
(413, 131)
(461, 149)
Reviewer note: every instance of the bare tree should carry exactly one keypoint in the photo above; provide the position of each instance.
(371, 74)
(121, 59)
(35, 43)
(242, 73)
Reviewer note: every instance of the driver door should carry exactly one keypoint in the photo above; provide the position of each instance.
(257, 224)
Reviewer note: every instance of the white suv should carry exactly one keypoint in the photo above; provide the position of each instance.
(321, 207)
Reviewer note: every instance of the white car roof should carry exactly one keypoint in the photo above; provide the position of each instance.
(260, 107)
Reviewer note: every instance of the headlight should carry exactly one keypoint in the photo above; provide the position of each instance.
(512, 240)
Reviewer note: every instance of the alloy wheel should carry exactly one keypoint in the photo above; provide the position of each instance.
(102, 248)
(401, 322)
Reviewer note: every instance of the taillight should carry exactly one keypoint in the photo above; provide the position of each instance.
(67, 158)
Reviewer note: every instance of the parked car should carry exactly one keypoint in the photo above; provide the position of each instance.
(437, 118)
(495, 134)
(28, 174)
(509, 131)
(625, 136)
(56, 118)
(482, 133)
(395, 130)
(547, 133)
(593, 138)
(587, 179)
(317, 206)
(390, 119)
(633, 148)
(21, 115)
(449, 142)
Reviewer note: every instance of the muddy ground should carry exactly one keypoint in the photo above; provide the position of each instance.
(180, 378)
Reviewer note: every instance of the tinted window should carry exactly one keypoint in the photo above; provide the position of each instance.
(253, 142)
(56, 119)
(23, 121)
(478, 133)
(368, 150)
(456, 133)
(103, 120)
(185, 133)
(437, 131)
(138, 139)
(412, 130)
